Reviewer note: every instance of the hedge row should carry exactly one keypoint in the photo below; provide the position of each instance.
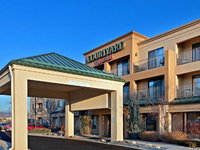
(175, 137)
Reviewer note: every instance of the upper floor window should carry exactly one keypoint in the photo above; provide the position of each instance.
(123, 68)
(47, 104)
(60, 103)
(126, 92)
(40, 105)
(196, 85)
(156, 88)
(156, 58)
(101, 68)
(32, 106)
(196, 52)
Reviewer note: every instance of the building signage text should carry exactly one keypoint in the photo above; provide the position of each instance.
(105, 52)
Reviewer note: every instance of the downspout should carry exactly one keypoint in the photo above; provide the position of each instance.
(12, 108)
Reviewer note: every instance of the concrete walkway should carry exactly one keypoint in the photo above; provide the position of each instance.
(4, 145)
(158, 145)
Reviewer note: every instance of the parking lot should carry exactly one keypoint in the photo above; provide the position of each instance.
(44, 143)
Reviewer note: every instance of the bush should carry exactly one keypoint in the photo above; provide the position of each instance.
(45, 130)
(152, 136)
(175, 137)
(86, 124)
(63, 129)
(1, 128)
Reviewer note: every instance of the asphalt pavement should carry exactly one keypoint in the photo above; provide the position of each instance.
(48, 143)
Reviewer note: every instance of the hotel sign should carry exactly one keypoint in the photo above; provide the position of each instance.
(105, 52)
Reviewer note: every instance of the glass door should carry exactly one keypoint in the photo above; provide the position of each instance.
(196, 85)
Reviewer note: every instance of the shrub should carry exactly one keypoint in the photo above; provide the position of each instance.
(152, 136)
(1, 128)
(45, 130)
(191, 144)
(63, 129)
(86, 124)
(175, 137)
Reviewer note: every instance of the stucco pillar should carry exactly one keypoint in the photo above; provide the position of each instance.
(185, 122)
(101, 125)
(161, 120)
(69, 120)
(169, 115)
(170, 82)
(117, 115)
(19, 112)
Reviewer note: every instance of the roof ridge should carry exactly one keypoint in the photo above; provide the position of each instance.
(34, 56)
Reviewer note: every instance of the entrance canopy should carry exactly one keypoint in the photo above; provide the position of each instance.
(55, 76)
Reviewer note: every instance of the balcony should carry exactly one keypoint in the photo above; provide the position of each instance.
(188, 90)
(39, 109)
(151, 93)
(120, 71)
(149, 63)
(188, 56)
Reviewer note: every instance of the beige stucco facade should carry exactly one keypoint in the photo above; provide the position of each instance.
(176, 71)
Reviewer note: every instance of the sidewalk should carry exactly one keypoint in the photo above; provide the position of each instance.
(158, 145)
(4, 145)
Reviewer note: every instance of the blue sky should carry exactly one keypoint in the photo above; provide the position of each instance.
(72, 27)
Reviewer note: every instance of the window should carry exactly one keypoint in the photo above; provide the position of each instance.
(123, 68)
(196, 52)
(60, 103)
(126, 92)
(94, 124)
(156, 58)
(40, 105)
(47, 104)
(196, 85)
(101, 68)
(156, 88)
(32, 106)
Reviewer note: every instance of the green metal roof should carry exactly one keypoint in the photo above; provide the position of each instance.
(56, 62)
(185, 100)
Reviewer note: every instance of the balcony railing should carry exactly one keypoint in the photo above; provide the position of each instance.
(188, 90)
(39, 109)
(151, 93)
(149, 63)
(120, 71)
(188, 56)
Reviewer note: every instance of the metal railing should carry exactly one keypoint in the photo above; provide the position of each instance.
(151, 93)
(39, 109)
(149, 63)
(120, 71)
(188, 56)
(188, 90)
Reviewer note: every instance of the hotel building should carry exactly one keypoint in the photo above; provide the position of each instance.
(166, 66)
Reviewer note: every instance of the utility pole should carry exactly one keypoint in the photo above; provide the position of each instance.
(35, 112)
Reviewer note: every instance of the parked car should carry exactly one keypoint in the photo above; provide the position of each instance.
(31, 126)
(9, 129)
(3, 125)
(7, 126)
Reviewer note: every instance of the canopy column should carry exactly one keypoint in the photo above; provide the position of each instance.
(19, 112)
(117, 115)
(69, 119)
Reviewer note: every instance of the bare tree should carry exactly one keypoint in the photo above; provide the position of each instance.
(136, 123)
(50, 108)
(163, 113)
